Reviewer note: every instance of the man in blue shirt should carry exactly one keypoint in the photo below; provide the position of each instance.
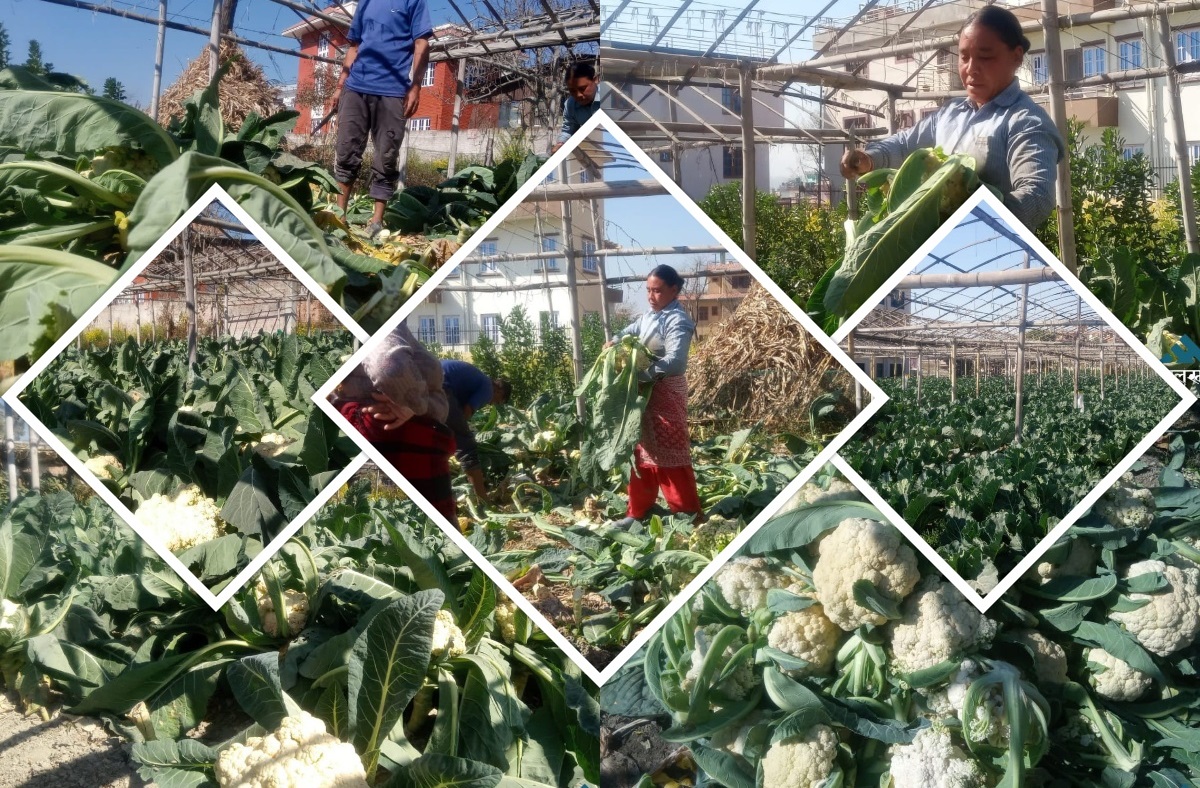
(377, 92)
(468, 389)
(581, 103)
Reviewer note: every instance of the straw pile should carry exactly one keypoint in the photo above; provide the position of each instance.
(761, 366)
(244, 89)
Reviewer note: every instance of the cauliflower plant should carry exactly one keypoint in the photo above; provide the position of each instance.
(103, 465)
(1171, 619)
(1126, 506)
(744, 582)
(860, 549)
(1115, 679)
(297, 609)
(939, 624)
(14, 623)
(801, 761)
(183, 520)
(933, 760)
(448, 639)
(738, 684)
(713, 535)
(1080, 562)
(809, 635)
(506, 620)
(838, 490)
(272, 445)
(300, 752)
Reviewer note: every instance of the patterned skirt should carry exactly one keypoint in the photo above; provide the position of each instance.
(665, 442)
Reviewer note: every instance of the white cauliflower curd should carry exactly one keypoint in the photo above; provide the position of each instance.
(104, 465)
(1170, 621)
(1115, 679)
(182, 520)
(801, 761)
(297, 609)
(448, 639)
(809, 635)
(860, 549)
(299, 753)
(939, 624)
(933, 760)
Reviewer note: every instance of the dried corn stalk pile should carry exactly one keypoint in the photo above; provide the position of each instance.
(761, 365)
(244, 89)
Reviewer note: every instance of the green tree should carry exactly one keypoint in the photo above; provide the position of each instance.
(795, 245)
(5, 51)
(518, 348)
(113, 89)
(33, 60)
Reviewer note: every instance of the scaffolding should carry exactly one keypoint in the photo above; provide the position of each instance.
(983, 304)
(673, 53)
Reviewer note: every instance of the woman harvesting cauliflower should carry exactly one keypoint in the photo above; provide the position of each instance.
(867, 668)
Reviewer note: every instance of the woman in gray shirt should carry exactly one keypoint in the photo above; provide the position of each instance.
(1015, 144)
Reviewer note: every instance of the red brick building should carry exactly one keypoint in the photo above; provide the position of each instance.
(315, 79)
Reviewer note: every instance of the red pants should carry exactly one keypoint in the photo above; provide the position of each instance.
(678, 486)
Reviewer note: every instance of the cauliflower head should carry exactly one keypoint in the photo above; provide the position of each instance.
(297, 609)
(1170, 621)
(1080, 562)
(14, 623)
(838, 490)
(1126, 506)
(272, 445)
(448, 639)
(713, 535)
(939, 624)
(1049, 658)
(183, 520)
(102, 465)
(744, 582)
(801, 761)
(809, 635)
(860, 549)
(933, 760)
(506, 620)
(1116, 680)
(300, 752)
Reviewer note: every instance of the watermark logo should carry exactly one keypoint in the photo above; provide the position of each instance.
(1184, 351)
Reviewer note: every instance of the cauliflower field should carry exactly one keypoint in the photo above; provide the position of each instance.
(549, 526)
(369, 652)
(953, 472)
(232, 449)
(829, 653)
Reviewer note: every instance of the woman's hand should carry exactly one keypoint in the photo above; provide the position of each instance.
(610, 343)
(855, 163)
(392, 415)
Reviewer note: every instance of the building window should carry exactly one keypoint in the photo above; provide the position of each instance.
(427, 329)
(550, 244)
(419, 124)
(427, 79)
(928, 112)
(664, 157)
(1130, 54)
(491, 326)
(1133, 150)
(1039, 67)
(716, 310)
(1094, 61)
(906, 120)
(323, 46)
(1194, 151)
(450, 324)
(702, 313)
(619, 102)
(1187, 45)
(731, 99)
(510, 115)
(856, 122)
(590, 261)
(488, 248)
(731, 162)
(740, 282)
(898, 299)
(548, 319)
(859, 67)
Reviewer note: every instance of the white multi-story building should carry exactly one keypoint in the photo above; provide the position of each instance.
(1137, 109)
(474, 300)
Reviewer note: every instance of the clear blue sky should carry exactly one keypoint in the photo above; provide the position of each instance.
(96, 46)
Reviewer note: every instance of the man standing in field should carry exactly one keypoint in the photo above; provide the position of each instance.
(581, 103)
(377, 92)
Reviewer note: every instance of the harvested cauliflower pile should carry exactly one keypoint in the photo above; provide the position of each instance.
(183, 520)
(299, 753)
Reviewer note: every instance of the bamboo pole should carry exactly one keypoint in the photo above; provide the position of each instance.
(601, 279)
(976, 373)
(455, 119)
(953, 371)
(1019, 380)
(189, 295)
(749, 177)
(10, 453)
(35, 464)
(1183, 169)
(572, 295)
(156, 88)
(858, 392)
(1058, 112)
